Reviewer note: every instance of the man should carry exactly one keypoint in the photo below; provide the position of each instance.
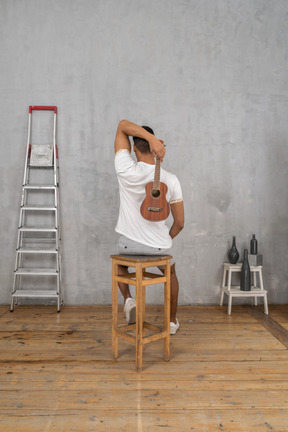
(138, 235)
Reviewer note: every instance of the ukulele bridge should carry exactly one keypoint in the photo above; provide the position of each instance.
(155, 209)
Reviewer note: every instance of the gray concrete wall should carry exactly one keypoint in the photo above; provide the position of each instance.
(209, 76)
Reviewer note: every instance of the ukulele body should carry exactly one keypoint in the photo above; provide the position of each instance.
(155, 208)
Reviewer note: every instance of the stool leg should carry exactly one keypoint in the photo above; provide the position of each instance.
(223, 286)
(229, 304)
(139, 318)
(262, 288)
(143, 308)
(265, 304)
(114, 309)
(261, 280)
(167, 292)
(229, 292)
(255, 286)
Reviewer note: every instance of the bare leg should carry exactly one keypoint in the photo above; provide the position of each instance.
(174, 284)
(174, 290)
(124, 288)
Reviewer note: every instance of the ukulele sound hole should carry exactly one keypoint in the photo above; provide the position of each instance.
(155, 193)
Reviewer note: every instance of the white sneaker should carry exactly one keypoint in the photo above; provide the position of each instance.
(130, 310)
(174, 327)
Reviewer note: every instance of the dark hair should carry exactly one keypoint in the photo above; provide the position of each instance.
(141, 144)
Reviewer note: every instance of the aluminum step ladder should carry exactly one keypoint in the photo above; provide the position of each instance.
(37, 273)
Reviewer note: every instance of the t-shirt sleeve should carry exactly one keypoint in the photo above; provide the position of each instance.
(123, 161)
(176, 195)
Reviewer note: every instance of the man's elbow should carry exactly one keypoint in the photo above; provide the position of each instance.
(122, 124)
(180, 225)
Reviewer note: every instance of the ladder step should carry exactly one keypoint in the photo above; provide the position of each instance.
(41, 208)
(37, 250)
(40, 166)
(36, 271)
(30, 242)
(37, 229)
(35, 293)
(39, 186)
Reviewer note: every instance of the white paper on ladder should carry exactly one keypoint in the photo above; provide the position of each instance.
(41, 155)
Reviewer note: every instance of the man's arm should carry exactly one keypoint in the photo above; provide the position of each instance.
(126, 129)
(177, 210)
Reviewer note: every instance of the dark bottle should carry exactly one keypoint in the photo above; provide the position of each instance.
(253, 245)
(233, 254)
(245, 277)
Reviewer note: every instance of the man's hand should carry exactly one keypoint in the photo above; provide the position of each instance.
(157, 147)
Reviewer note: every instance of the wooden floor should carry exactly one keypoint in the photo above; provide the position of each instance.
(226, 373)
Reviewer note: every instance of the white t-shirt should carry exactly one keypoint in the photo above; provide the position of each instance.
(132, 178)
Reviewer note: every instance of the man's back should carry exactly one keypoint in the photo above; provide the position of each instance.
(133, 177)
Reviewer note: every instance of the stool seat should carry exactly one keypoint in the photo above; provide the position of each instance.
(141, 278)
(235, 291)
(141, 258)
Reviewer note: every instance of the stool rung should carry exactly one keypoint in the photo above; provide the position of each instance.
(153, 281)
(125, 279)
(154, 337)
(147, 325)
(152, 275)
(129, 327)
(145, 282)
(125, 336)
(132, 275)
(152, 327)
(129, 275)
(160, 334)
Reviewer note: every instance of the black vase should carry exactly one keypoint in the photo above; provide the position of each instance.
(245, 277)
(253, 245)
(233, 254)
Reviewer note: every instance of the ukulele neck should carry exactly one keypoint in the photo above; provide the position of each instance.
(156, 183)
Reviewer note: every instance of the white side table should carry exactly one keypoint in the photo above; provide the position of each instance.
(234, 291)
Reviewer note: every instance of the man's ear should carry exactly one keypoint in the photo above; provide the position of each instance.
(134, 148)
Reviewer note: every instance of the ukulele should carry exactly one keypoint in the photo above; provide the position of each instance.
(155, 207)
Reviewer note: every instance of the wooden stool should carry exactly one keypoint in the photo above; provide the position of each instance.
(234, 291)
(140, 279)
